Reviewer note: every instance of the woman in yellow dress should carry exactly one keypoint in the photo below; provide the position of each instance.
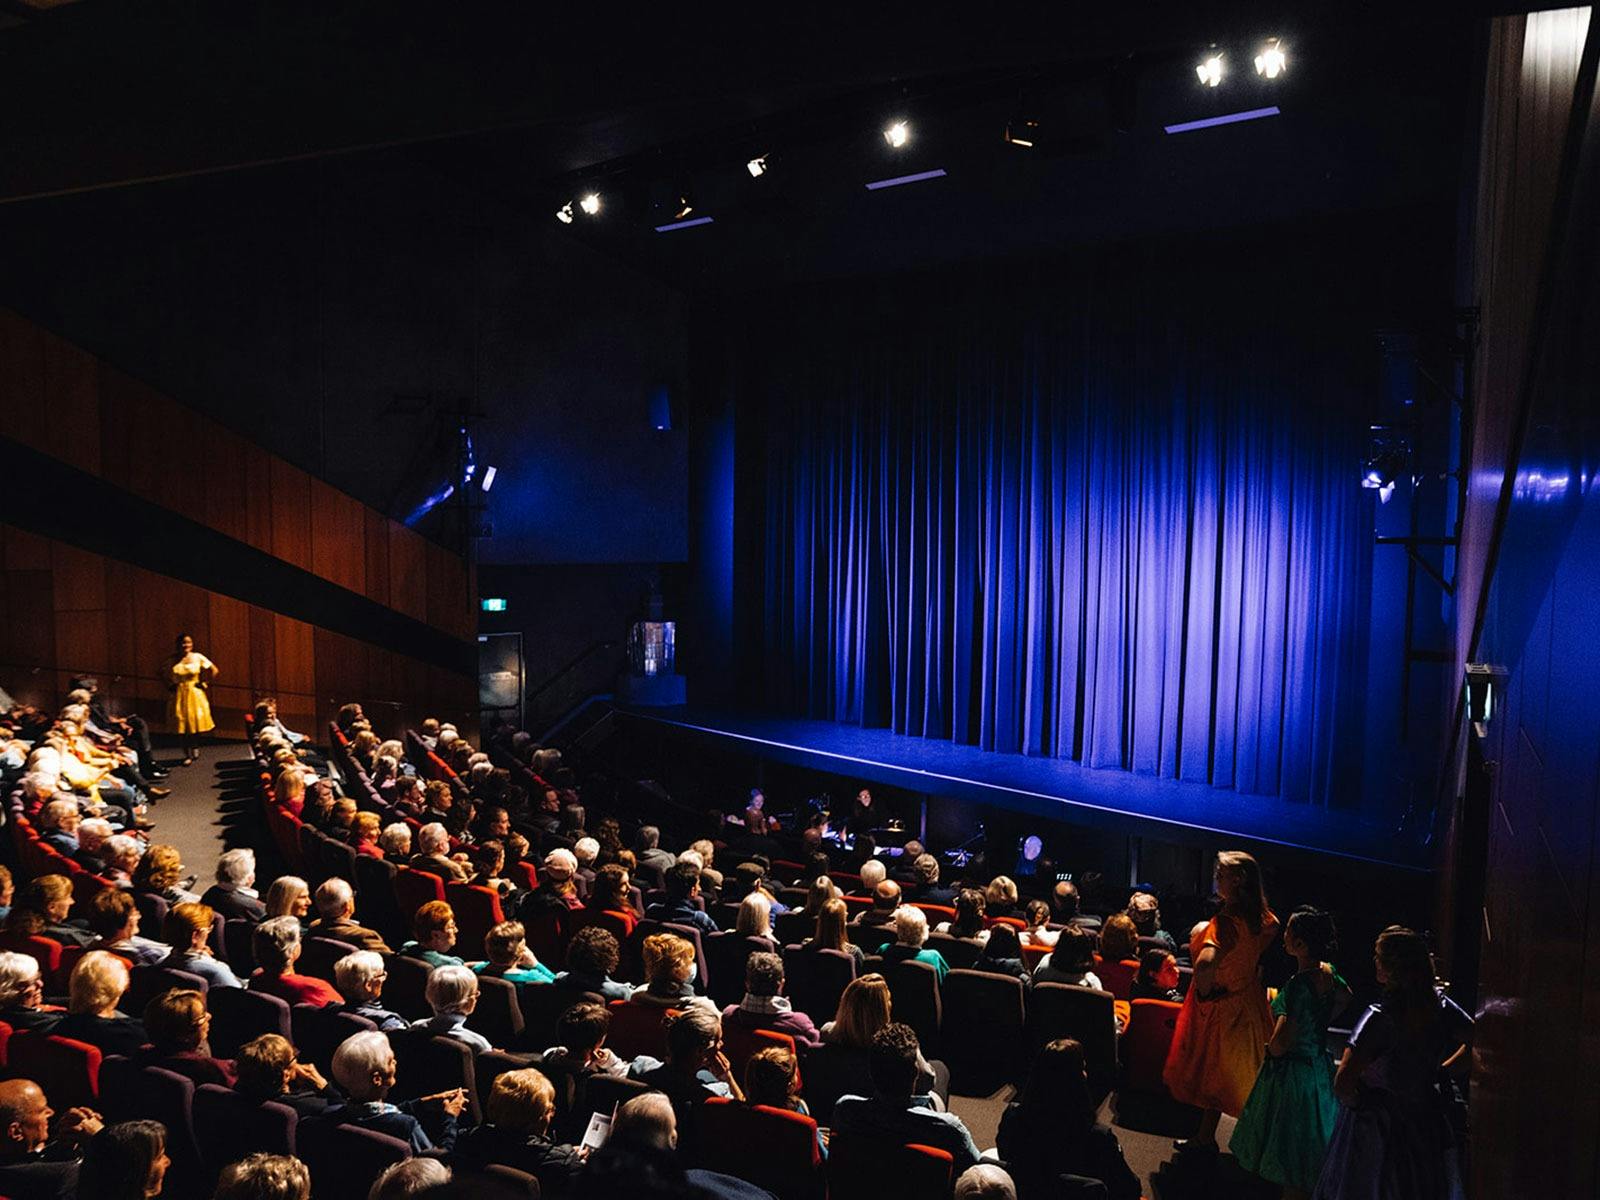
(191, 707)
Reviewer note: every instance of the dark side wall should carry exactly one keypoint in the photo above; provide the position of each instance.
(334, 312)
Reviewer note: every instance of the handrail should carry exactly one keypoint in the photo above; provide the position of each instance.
(569, 667)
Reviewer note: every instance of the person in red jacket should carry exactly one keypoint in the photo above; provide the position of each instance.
(277, 946)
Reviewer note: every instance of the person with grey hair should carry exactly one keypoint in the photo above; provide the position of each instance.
(22, 994)
(413, 1177)
(873, 872)
(93, 834)
(927, 889)
(276, 943)
(910, 932)
(433, 855)
(265, 1177)
(986, 1181)
(360, 978)
(121, 856)
(336, 918)
(232, 895)
(395, 841)
(452, 993)
(60, 819)
(364, 1066)
(647, 848)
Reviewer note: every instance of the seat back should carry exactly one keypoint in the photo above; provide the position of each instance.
(152, 912)
(601, 1093)
(338, 858)
(958, 952)
(1145, 1043)
(413, 889)
(727, 953)
(44, 951)
(374, 879)
(406, 990)
(429, 1064)
(238, 1015)
(318, 1031)
(741, 1045)
(477, 910)
(153, 1093)
(549, 930)
(770, 1147)
(831, 1072)
(914, 989)
(1057, 1010)
(1116, 976)
(67, 1070)
(498, 1015)
(230, 1126)
(310, 840)
(815, 979)
(318, 954)
(239, 949)
(865, 1169)
(989, 1012)
(146, 983)
(345, 1159)
(636, 1029)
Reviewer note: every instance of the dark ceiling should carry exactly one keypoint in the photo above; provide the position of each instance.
(531, 105)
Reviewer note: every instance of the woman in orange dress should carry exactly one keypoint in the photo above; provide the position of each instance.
(1225, 1023)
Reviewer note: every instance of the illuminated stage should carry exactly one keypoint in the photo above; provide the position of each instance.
(1137, 805)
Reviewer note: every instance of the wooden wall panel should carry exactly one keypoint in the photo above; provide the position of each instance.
(70, 419)
(291, 514)
(122, 629)
(375, 546)
(227, 493)
(22, 375)
(80, 578)
(408, 581)
(81, 643)
(338, 537)
(296, 657)
(263, 650)
(258, 510)
(26, 551)
(28, 641)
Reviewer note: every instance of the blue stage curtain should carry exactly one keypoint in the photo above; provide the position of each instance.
(1070, 527)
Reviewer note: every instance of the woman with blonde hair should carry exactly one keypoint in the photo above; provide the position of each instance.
(864, 1008)
(289, 896)
(1000, 897)
(1225, 1024)
(833, 932)
(94, 990)
(669, 971)
(755, 916)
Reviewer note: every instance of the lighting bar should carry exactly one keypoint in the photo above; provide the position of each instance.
(671, 225)
(878, 184)
(1226, 119)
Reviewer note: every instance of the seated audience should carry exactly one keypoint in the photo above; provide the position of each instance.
(986, 1181)
(891, 1117)
(188, 931)
(872, 872)
(160, 872)
(93, 993)
(885, 902)
(289, 896)
(833, 932)
(1157, 977)
(178, 1025)
(591, 957)
(93, 834)
(22, 994)
(669, 972)
(926, 887)
(268, 1068)
(1036, 913)
(647, 847)
(364, 1067)
(581, 1031)
(395, 842)
(233, 894)
(434, 932)
(1144, 910)
(1051, 1131)
(433, 853)
(452, 993)
(336, 918)
(772, 1078)
(1000, 897)
(910, 934)
(276, 943)
(38, 1161)
(506, 944)
(516, 1133)
(765, 1006)
(1072, 961)
(364, 833)
(968, 922)
(264, 1177)
(557, 889)
(1119, 939)
(755, 916)
(696, 1068)
(121, 854)
(114, 919)
(1002, 955)
(679, 908)
(1065, 903)
(360, 978)
(58, 826)
(41, 910)
(611, 892)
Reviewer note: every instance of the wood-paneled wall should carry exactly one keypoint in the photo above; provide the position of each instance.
(65, 610)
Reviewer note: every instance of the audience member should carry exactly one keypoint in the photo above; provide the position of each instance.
(264, 1177)
(669, 972)
(680, 907)
(890, 1117)
(187, 931)
(591, 958)
(160, 872)
(1002, 955)
(94, 990)
(413, 1177)
(765, 1006)
(360, 978)
(986, 1181)
(968, 922)
(41, 908)
(885, 903)
(276, 944)
(1119, 939)
(434, 932)
(22, 995)
(755, 916)
(364, 1067)
(1144, 910)
(1050, 1130)
(452, 994)
(38, 1162)
(114, 919)
(516, 1133)
(1072, 961)
(269, 1068)
(696, 1068)
(433, 852)
(509, 958)
(1000, 897)
(289, 896)
(233, 895)
(1157, 977)
(865, 1007)
(910, 934)
(178, 1026)
(336, 909)
(833, 932)
(1036, 915)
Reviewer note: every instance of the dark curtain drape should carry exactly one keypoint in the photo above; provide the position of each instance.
(1093, 513)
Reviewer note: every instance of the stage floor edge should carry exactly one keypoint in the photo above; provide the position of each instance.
(1169, 809)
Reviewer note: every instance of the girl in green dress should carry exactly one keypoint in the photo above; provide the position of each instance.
(1284, 1129)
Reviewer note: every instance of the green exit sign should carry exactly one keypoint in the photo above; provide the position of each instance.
(494, 604)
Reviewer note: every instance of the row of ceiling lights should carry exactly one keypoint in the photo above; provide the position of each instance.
(1270, 63)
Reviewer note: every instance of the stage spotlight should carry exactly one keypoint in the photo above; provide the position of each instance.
(1022, 131)
(757, 167)
(590, 204)
(1271, 62)
(897, 134)
(564, 213)
(1210, 70)
(488, 477)
(683, 209)
(1388, 460)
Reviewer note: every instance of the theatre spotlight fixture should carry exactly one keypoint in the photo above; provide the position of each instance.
(564, 213)
(1209, 69)
(1388, 460)
(1022, 131)
(757, 166)
(1485, 682)
(590, 204)
(683, 209)
(897, 134)
(1271, 62)
(488, 477)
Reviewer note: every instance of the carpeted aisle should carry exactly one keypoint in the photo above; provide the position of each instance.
(210, 808)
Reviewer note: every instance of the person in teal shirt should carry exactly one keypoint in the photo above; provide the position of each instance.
(910, 932)
(1283, 1132)
(509, 956)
